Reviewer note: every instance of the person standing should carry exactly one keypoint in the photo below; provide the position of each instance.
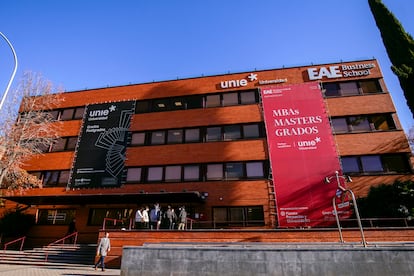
(103, 248)
(72, 229)
(171, 217)
(138, 219)
(145, 217)
(182, 218)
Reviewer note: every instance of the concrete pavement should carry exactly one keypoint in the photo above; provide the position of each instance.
(32, 270)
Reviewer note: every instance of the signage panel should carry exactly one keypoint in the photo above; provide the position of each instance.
(302, 153)
(100, 152)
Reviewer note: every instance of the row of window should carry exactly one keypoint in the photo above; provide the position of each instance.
(363, 123)
(351, 88)
(365, 164)
(197, 172)
(331, 89)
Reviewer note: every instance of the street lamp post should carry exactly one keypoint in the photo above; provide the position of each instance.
(345, 190)
(14, 71)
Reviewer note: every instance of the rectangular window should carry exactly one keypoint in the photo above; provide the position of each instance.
(238, 216)
(142, 107)
(359, 124)
(175, 136)
(79, 111)
(340, 125)
(234, 171)
(349, 88)
(254, 170)
(173, 173)
(155, 174)
(134, 175)
(97, 216)
(59, 145)
(232, 133)
(382, 122)
(194, 102)
(248, 97)
(160, 105)
(350, 164)
(67, 114)
(178, 104)
(213, 134)
(370, 86)
(331, 89)
(214, 171)
(55, 216)
(71, 144)
(251, 131)
(64, 177)
(230, 99)
(395, 163)
(50, 178)
(213, 101)
(371, 163)
(138, 139)
(192, 135)
(191, 173)
(158, 138)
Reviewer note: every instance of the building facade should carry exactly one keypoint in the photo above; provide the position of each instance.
(203, 143)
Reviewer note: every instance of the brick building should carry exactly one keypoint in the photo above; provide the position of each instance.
(202, 143)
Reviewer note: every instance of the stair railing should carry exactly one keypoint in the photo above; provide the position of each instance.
(21, 240)
(62, 240)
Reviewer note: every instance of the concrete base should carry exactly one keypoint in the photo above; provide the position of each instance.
(268, 259)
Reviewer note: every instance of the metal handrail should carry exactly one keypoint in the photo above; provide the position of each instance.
(22, 239)
(115, 221)
(60, 240)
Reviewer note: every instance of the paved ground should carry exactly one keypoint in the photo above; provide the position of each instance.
(31, 270)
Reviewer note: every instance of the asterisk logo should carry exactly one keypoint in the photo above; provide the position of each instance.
(318, 139)
(112, 108)
(252, 77)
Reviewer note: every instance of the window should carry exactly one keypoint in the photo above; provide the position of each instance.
(363, 123)
(134, 175)
(214, 171)
(370, 86)
(97, 216)
(191, 173)
(234, 170)
(79, 111)
(349, 88)
(173, 173)
(71, 144)
(50, 178)
(59, 145)
(248, 97)
(368, 164)
(155, 174)
(238, 216)
(175, 136)
(213, 101)
(382, 122)
(55, 216)
(230, 99)
(331, 89)
(254, 170)
(142, 106)
(232, 132)
(192, 135)
(195, 102)
(138, 138)
(213, 134)
(158, 138)
(64, 177)
(334, 89)
(359, 123)
(340, 125)
(67, 114)
(251, 131)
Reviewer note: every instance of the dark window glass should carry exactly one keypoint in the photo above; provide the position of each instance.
(194, 102)
(142, 107)
(138, 138)
(55, 216)
(230, 99)
(134, 175)
(251, 131)
(158, 138)
(234, 170)
(359, 123)
(350, 164)
(97, 216)
(191, 173)
(214, 171)
(340, 125)
(382, 122)
(371, 163)
(213, 101)
(331, 89)
(173, 173)
(161, 105)
(79, 111)
(254, 170)
(213, 134)
(59, 145)
(71, 144)
(50, 178)
(232, 132)
(349, 88)
(178, 104)
(44, 148)
(395, 163)
(238, 216)
(64, 177)
(155, 173)
(67, 114)
(248, 97)
(370, 86)
(54, 114)
(175, 136)
(192, 135)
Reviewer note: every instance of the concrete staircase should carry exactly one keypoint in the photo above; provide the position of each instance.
(60, 254)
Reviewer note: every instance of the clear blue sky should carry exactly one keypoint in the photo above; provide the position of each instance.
(78, 44)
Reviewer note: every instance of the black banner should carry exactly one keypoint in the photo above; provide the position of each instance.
(100, 154)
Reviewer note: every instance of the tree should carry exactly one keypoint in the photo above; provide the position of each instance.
(34, 130)
(399, 46)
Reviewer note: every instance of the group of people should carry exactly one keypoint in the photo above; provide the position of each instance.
(157, 218)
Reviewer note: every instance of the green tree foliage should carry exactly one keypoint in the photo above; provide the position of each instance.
(389, 201)
(400, 48)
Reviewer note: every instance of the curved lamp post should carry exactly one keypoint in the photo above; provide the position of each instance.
(14, 70)
(344, 190)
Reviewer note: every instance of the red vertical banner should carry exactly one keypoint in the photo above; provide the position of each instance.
(302, 153)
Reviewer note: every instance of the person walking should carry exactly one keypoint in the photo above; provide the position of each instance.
(182, 218)
(103, 248)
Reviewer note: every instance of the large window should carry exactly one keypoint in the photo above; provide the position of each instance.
(55, 216)
(238, 216)
(375, 164)
(122, 215)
